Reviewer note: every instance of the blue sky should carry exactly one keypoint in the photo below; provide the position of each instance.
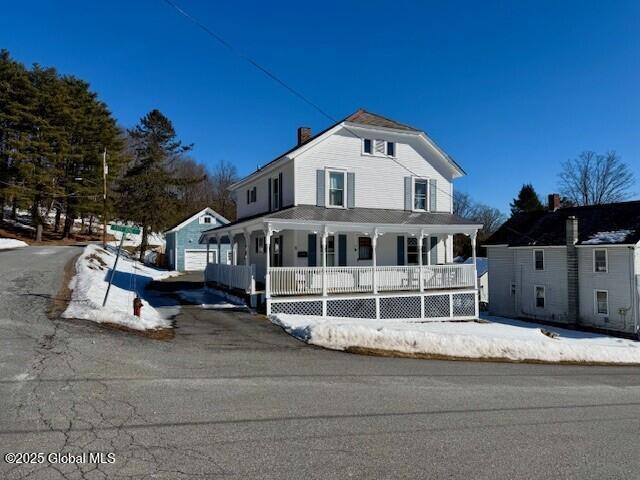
(509, 89)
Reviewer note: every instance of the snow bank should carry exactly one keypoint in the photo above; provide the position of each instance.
(7, 243)
(500, 338)
(90, 284)
(616, 236)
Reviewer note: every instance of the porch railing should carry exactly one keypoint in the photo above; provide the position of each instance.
(241, 277)
(308, 280)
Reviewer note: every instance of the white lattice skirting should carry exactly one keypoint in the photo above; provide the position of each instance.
(457, 305)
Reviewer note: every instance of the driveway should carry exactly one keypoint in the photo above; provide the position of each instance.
(232, 396)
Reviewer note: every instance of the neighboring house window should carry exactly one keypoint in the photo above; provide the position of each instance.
(336, 189)
(213, 256)
(229, 257)
(391, 149)
(602, 302)
(420, 193)
(538, 259)
(331, 251)
(206, 219)
(540, 296)
(513, 289)
(412, 251)
(365, 249)
(254, 195)
(600, 261)
(366, 146)
(276, 194)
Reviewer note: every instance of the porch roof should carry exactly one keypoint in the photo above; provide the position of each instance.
(370, 218)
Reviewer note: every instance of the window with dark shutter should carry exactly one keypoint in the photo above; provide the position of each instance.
(365, 250)
(391, 149)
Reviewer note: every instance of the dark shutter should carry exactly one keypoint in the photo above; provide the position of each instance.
(280, 189)
(320, 188)
(312, 250)
(257, 245)
(342, 250)
(400, 250)
(351, 190)
(434, 250)
(433, 195)
(248, 196)
(408, 201)
(269, 193)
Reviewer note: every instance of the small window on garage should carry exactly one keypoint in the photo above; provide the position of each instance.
(602, 302)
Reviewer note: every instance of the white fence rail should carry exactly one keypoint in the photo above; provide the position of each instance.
(241, 277)
(309, 280)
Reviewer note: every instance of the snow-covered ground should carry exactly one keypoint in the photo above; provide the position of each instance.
(7, 243)
(212, 299)
(89, 285)
(498, 338)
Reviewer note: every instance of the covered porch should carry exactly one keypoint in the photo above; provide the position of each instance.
(335, 268)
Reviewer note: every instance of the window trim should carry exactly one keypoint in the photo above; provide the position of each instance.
(364, 152)
(595, 302)
(606, 260)
(535, 296)
(535, 269)
(327, 190)
(413, 194)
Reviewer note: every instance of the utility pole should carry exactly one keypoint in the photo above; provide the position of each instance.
(104, 198)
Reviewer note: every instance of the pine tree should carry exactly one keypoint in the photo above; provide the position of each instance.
(526, 201)
(148, 188)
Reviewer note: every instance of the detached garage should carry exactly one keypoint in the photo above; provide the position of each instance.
(183, 251)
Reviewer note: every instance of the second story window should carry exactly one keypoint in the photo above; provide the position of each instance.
(600, 261)
(336, 189)
(276, 193)
(538, 259)
(366, 146)
(251, 195)
(391, 149)
(378, 147)
(420, 194)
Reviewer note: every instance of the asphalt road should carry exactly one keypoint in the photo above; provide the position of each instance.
(233, 396)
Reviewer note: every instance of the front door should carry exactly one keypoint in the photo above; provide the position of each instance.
(276, 252)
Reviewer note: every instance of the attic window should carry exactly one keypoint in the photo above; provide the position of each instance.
(206, 219)
(378, 147)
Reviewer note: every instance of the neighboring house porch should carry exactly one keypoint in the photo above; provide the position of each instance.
(359, 262)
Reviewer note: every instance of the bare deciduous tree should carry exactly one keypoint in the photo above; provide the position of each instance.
(593, 179)
(491, 218)
(222, 176)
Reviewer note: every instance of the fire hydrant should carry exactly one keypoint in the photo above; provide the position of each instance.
(137, 306)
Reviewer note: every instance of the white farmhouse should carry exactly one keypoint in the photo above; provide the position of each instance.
(355, 221)
(578, 266)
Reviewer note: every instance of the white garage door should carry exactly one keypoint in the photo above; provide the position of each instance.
(195, 260)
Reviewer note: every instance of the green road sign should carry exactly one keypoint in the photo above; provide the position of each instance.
(125, 229)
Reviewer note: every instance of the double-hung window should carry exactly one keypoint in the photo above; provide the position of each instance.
(602, 302)
(365, 249)
(420, 187)
(600, 261)
(538, 259)
(367, 146)
(540, 296)
(336, 189)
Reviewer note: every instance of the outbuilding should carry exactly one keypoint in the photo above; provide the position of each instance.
(183, 251)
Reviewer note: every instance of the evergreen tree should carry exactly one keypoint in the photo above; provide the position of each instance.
(148, 189)
(526, 201)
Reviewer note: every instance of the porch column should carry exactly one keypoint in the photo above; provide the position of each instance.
(267, 277)
(324, 262)
(247, 244)
(218, 260)
(473, 253)
(428, 237)
(208, 242)
(374, 258)
(420, 273)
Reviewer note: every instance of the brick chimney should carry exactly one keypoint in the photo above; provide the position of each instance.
(304, 134)
(554, 202)
(572, 269)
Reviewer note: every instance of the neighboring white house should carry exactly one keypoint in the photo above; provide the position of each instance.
(482, 271)
(344, 215)
(577, 266)
(183, 250)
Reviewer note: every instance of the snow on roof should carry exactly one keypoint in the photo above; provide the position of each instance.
(616, 236)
